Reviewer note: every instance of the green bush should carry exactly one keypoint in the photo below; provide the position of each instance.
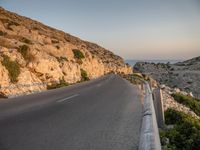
(78, 54)
(188, 101)
(12, 67)
(2, 33)
(25, 40)
(185, 135)
(143, 77)
(61, 59)
(84, 75)
(135, 75)
(175, 117)
(24, 50)
(62, 83)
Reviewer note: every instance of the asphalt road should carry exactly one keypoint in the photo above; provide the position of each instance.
(102, 114)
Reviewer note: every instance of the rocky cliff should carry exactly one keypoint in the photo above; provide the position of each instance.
(183, 75)
(33, 55)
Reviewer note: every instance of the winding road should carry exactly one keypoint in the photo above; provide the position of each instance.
(101, 114)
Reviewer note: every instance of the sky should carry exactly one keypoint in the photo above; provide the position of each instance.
(133, 29)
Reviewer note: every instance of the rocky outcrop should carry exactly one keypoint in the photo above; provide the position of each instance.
(42, 55)
(183, 75)
(167, 99)
(169, 102)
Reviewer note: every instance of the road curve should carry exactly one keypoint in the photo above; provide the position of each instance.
(102, 114)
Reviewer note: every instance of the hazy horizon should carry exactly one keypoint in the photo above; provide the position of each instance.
(135, 30)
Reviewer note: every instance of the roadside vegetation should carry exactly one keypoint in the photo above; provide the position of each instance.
(62, 83)
(184, 134)
(12, 67)
(141, 76)
(2, 95)
(136, 78)
(188, 101)
(84, 75)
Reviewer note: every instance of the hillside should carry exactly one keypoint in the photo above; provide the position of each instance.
(33, 56)
(183, 75)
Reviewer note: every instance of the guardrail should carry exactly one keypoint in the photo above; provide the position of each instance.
(149, 135)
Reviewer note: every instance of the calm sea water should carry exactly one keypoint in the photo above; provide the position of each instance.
(133, 62)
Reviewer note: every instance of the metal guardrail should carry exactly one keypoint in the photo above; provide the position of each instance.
(149, 135)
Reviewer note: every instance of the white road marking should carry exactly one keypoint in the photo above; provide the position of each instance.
(62, 100)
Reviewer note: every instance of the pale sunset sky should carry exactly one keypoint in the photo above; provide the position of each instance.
(133, 29)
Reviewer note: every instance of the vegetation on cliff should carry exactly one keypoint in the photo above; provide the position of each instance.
(188, 101)
(12, 67)
(45, 55)
(184, 134)
(78, 54)
(84, 75)
(24, 51)
(61, 83)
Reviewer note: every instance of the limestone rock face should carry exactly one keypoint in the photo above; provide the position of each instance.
(45, 55)
(4, 75)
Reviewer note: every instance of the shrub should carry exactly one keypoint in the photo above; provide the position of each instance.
(135, 75)
(84, 75)
(79, 61)
(78, 54)
(186, 131)
(188, 101)
(176, 117)
(61, 59)
(2, 33)
(12, 67)
(62, 83)
(25, 40)
(24, 50)
(11, 23)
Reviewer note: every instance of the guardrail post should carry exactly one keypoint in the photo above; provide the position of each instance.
(158, 105)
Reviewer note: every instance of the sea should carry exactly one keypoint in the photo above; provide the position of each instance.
(133, 62)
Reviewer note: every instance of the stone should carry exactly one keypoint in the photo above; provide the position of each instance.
(49, 56)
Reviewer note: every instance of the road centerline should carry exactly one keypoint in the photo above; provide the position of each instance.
(67, 98)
